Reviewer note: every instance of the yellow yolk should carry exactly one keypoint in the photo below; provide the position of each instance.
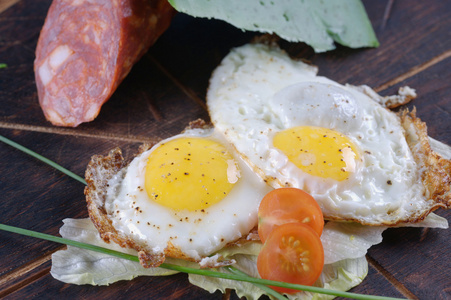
(318, 151)
(189, 173)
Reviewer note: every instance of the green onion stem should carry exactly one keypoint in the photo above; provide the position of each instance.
(42, 158)
(268, 290)
(236, 274)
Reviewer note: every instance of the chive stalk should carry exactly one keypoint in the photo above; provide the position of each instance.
(234, 274)
(42, 158)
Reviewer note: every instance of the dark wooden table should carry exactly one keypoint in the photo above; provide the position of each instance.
(165, 91)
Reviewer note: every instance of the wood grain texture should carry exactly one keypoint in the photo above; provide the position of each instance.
(26, 274)
(5, 4)
(162, 94)
(413, 35)
(433, 102)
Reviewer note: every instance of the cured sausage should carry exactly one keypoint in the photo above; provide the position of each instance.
(87, 47)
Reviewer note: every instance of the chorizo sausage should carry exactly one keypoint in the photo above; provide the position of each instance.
(87, 47)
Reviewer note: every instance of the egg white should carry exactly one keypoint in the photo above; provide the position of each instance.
(196, 233)
(258, 91)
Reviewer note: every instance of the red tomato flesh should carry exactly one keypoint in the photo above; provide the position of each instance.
(293, 253)
(288, 205)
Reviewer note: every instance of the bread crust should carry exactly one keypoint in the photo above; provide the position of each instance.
(435, 176)
(98, 173)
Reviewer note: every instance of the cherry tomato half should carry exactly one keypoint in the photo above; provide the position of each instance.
(288, 205)
(292, 253)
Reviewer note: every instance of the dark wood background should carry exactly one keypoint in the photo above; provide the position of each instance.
(165, 91)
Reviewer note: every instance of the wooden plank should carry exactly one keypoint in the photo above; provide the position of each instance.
(419, 257)
(20, 27)
(205, 51)
(5, 4)
(170, 287)
(404, 45)
(415, 70)
(165, 91)
(26, 274)
(147, 103)
(377, 284)
(413, 34)
(173, 287)
(36, 196)
(433, 103)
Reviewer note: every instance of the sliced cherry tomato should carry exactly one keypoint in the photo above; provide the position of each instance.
(292, 253)
(288, 205)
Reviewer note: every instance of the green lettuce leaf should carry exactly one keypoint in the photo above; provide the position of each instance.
(80, 266)
(345, 245)
(340, 276)
(246, 264)
(348, 240)
(317, 23)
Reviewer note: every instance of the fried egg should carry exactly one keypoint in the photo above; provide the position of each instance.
(301, 130)
(186, 197)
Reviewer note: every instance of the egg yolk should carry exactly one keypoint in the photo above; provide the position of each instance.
(318, 151)
(189, 173)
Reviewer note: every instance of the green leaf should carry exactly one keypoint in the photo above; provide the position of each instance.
(316, 22)
(3, 66)
(339, 276)
(239, 276)
(80, 266)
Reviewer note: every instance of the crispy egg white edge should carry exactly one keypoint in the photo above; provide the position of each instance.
(201, 233)
(232, 96)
